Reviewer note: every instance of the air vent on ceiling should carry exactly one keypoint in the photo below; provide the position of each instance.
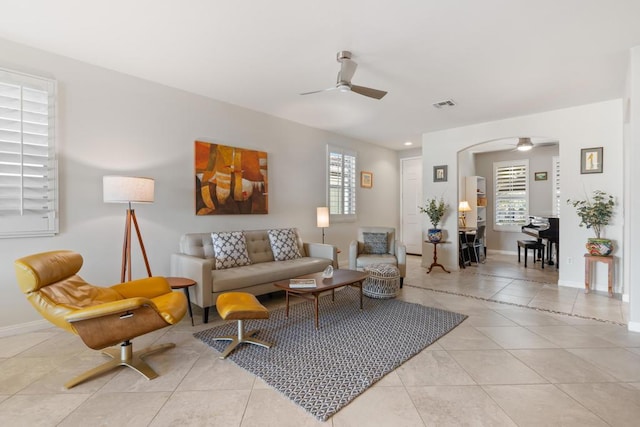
(443, 104)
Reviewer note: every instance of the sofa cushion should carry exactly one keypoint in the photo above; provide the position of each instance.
(265, 272)
(375, 243)
(258, 246)
(284, 244)
(365, 260)
(230, 249)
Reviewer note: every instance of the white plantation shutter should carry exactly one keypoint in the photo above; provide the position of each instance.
(342, 183)
(511, 184)
(28, 173)
(556, 185)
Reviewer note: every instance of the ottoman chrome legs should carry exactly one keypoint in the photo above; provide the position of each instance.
(241, 337)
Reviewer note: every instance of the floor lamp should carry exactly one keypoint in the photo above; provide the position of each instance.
(322, 217)
(129, 189)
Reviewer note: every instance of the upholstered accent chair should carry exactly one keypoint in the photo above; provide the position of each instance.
(101, 316)
(378, 245)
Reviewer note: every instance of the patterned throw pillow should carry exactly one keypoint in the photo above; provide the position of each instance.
(230, 249)
(284, 244)
(375, 243)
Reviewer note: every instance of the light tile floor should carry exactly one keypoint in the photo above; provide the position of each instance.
(505, 365)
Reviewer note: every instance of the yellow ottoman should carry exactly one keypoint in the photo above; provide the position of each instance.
(240, 306)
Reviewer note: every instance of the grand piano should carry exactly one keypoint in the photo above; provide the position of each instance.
(547, 228)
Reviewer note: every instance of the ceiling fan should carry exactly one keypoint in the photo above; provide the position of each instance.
(347, 68)
(525, 144)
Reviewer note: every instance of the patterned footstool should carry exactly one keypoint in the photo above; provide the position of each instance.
(383, 281)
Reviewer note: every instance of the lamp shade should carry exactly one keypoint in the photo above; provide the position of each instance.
(127, 189)
(322, 217)
(464, 206)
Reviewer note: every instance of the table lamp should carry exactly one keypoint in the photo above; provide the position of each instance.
(463, 207)
(129, 189)
(322, 215)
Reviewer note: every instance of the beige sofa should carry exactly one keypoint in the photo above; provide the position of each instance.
(196, 260)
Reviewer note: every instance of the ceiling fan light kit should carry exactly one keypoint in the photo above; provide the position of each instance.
(343, 84)
(524, 144)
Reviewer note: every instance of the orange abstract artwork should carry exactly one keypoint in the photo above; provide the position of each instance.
(230, 180)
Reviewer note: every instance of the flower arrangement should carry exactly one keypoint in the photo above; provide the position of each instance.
(435, 209)
(595, 213)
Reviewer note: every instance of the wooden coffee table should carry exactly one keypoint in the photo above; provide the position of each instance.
(340, 278)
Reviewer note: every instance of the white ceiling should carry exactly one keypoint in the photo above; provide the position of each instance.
(494, 58)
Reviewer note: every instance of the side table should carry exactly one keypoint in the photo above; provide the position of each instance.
(183, 283)
(590, 259)
(435, 257)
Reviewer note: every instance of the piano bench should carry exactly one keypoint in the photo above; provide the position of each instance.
(531, 244)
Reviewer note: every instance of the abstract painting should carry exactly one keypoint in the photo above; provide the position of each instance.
(230, 180)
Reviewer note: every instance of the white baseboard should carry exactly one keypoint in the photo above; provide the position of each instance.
(22, 328)
(633, 326)
(625, 297)
(571, 284)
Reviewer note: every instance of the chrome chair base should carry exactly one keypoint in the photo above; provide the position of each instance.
(124, 356)
(241, 337)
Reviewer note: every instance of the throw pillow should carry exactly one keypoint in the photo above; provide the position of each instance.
(375, 243)
(284, 244)
(230, 249)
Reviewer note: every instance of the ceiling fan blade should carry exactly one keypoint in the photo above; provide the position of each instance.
(318, 91)
(367, 91)
(347, 68)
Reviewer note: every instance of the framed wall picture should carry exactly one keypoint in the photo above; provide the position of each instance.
(366, 179)
(540, 176)
(591, 160)
(440, 173)
(220, 189)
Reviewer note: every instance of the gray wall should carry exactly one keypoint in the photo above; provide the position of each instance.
(540, 192)
(111, 123)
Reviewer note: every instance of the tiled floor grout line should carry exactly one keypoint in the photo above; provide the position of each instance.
(519, 305)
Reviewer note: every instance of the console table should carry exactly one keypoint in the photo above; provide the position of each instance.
(435, 256)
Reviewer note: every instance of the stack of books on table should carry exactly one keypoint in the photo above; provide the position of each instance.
(302, 283)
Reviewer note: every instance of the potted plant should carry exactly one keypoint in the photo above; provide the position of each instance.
(435, 210)
(596, 214)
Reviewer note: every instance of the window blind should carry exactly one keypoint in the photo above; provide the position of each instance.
(342, 182)
(28, 172)
(511, 193)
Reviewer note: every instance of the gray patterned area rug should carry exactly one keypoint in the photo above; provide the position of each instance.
(323, 370)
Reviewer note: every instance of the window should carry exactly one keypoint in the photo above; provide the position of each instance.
(28, 173)
(511, 183)
(342, 183)
(556, 185)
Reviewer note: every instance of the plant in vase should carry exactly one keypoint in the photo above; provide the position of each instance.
(596, 214)
(435, 210)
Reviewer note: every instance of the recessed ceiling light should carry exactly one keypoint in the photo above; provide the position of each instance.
(408, 143)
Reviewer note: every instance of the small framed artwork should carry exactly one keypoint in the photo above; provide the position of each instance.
(366, 179)
(540, 176)
(440, 173)
(591, 160)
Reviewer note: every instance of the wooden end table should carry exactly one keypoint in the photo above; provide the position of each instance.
(183, 283)
(340, 278)
(435, 256)
(590, 259)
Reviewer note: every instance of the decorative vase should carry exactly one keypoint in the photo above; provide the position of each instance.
(599, 247)
(328, 272)
(434, 234)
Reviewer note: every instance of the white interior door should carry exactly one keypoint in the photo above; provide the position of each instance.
(411, 224)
